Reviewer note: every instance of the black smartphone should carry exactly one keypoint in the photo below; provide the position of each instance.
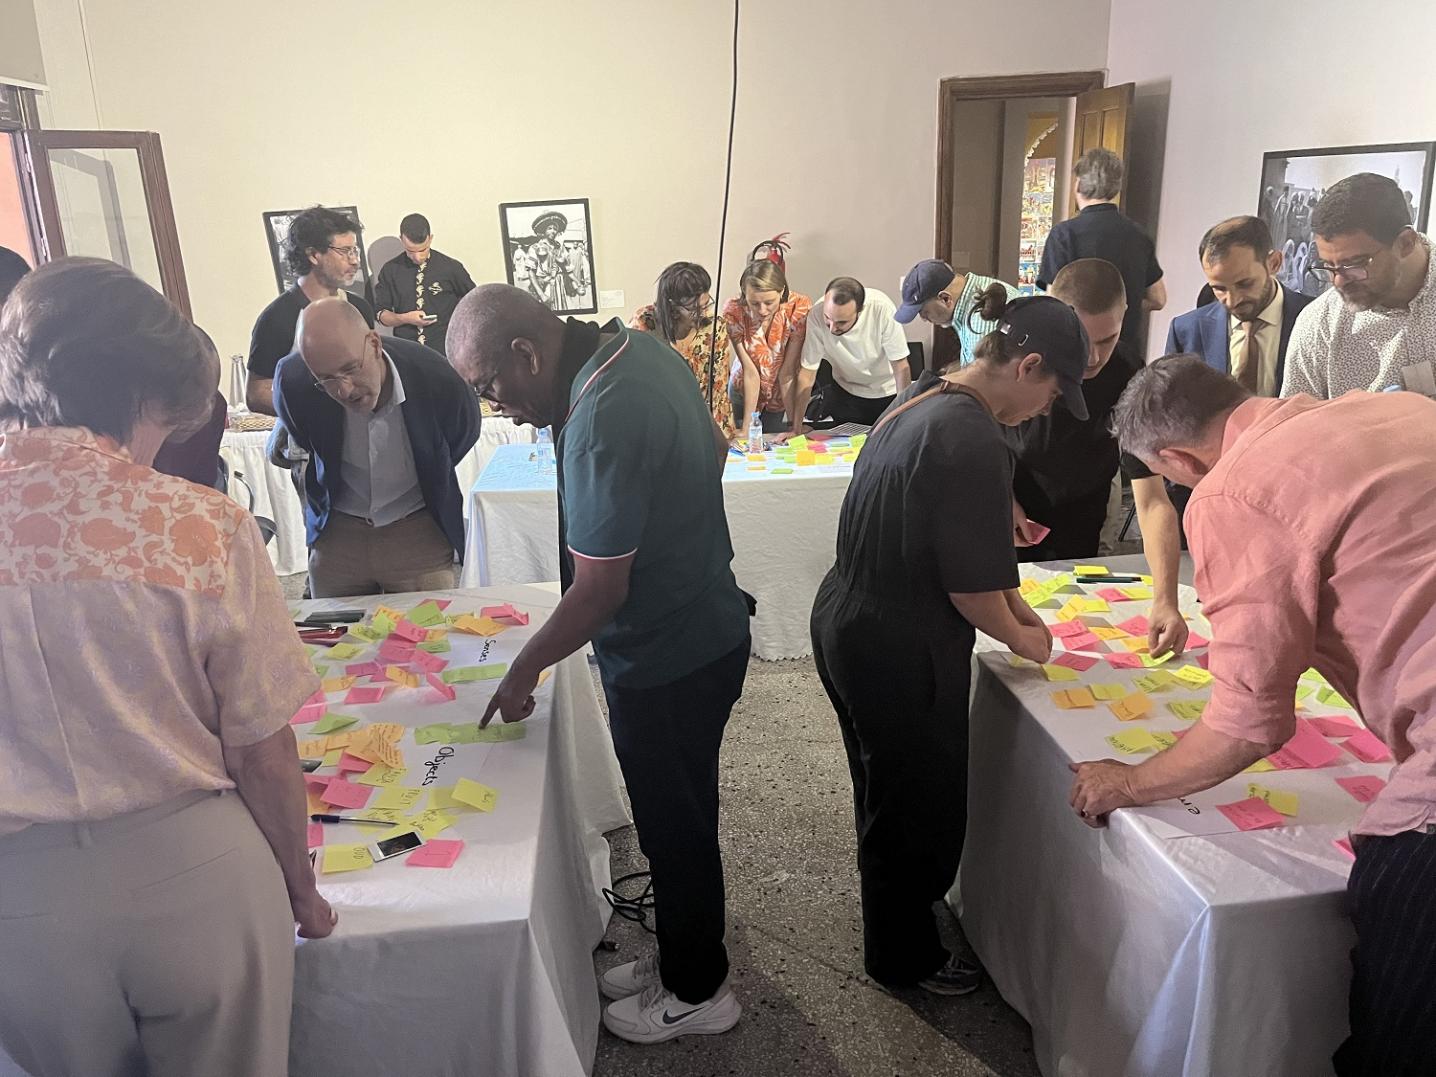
(333, 617)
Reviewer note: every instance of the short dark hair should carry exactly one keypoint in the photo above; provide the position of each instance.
(845, 290)
(85, 342)
(314, 230)
(12, 268)
(1171, 402)
(679, 283)
(1089, 285)
(415, 228)
(1099, 174)
(1244, 231)
(1366, 203)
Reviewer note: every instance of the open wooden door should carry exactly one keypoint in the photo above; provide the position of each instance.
(1104, 118)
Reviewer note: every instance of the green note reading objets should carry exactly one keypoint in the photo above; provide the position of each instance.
(469, 674)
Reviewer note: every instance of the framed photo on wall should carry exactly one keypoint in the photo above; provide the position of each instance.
(548, 251)
(1294, 181)
(276, 231)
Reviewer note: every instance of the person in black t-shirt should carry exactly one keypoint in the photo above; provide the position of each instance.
(925, 558)
(323, 248)
(418, 290)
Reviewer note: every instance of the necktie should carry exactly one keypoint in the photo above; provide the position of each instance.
(1249, 372)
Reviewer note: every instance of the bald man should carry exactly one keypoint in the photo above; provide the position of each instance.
(385, 422)
(647, 577)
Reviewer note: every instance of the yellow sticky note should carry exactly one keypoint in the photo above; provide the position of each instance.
(1137, 705)
(1165, 740)
(467, 791)
(346, 858)
(477, 626)
(342, 651)
(1304, 690)
(1131, 741)
(1188, 710)
(1026, 585)
(381, 777)
(1158, 680)
(1135, 644)
(799, 442)
(314, 749)
(1261, 766)
(366, 634)
(1059, 673)
(1195, 676)
(806, 458)
(1137, 594)
(545, 675)
(1311, 676)
(1103, 633)
(399, 796)
(1280, 800)
(1090, 570)
(431, 823)
(379, 816)
(1071, 698)
(1109, 692)
(332, 757)
(1149, 661)
(1069, 612)
(1091, 605)
(1332, 698)
(337, 684)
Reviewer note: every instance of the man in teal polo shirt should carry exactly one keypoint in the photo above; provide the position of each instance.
(647, 578)
(946, 298)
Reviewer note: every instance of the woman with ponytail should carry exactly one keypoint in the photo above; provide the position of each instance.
(767, 324)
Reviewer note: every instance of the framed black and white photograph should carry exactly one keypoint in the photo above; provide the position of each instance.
(548, 250)
(1294, 181)
(276, 231)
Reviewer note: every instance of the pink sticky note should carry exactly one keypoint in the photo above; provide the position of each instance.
(407, 629)
(1036, 532)
(342, 793)
(1251, 814)
(442, 603)
(425, 662)
(310, 712)
(1367, 747)
(505, 614)
(1344, 844)
(1334, 726)
(1063, 629)
(364, 693)
(437, 684)
(1194, 641)
(348, 763)
(1363, 787)
(1138, 625)
(316, 835)
(1124, 661)
(362, 669)
(1307, 750)
(436, 853)
(396, 651)
(1204, 660)
(1085, 642)
(1113, 594)
(319, 781)
(1080, 662)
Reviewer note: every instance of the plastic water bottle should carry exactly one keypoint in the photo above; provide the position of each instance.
(755, 433)
(544, 452)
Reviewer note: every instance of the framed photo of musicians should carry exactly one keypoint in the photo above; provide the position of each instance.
(276, 231)
(548, 250)
(1294, 181)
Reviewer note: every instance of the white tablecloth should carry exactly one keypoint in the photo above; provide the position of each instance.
(1136, 954)
(784, 530)
(275, 497)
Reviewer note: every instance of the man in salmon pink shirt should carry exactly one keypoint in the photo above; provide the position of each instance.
(1313, 530)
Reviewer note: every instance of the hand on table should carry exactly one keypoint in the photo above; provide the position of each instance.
(1033, 642)
(313, 915)
(514, 700)
(1167, 631)
(1101, 787)
(1030, 618)
(787, 435)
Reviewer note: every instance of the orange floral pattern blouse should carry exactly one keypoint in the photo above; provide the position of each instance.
(785, 335)
(695, 352)
(142, 628)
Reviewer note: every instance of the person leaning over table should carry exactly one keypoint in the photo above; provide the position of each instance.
(153, 860)
(945, 298)
(1314, 536)
(925, 559)
(645, 564)
(767, 325)
(681, 315)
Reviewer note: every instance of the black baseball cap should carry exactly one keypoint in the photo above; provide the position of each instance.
(1049, 327)
(921, 285)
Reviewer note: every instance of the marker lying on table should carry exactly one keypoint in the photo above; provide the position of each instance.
(349, 819)
(1109, 579)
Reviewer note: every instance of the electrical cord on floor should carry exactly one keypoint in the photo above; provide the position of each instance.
(637, 908)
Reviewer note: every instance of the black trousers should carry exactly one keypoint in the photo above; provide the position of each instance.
(844, 407)
(901, 695)
(1076, 528)
(1392, 891)
(667, 740)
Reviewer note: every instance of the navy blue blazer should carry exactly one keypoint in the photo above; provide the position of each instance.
(441, 415)
(1206, 332)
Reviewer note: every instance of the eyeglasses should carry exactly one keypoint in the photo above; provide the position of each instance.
(486, 390)
(350, 253)
(346, 373)
(1357, 269)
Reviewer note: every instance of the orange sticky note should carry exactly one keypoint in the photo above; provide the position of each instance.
(1137, 705)
(400, 675)
(1072, 698)
(477, 626)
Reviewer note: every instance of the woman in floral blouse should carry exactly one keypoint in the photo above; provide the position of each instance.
(682, 315)
(767, 325)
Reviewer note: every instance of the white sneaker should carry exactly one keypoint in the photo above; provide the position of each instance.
(658, 1014)
(625, 980)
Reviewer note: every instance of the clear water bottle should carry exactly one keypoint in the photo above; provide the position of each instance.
(544, 451)
(755, 433)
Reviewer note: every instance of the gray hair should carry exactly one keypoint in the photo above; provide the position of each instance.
(1171, 403)
(1099, 174)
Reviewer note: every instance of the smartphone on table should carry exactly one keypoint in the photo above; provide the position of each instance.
(397, 845)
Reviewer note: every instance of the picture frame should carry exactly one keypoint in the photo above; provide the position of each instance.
(548, 252)
(1293, 181)
(276, 230)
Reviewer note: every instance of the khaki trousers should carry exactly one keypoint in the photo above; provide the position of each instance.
(355, 558)
(157, 942)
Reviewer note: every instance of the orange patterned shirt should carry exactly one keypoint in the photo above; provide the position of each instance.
(141, 629)
(787, 330)
(695, 352)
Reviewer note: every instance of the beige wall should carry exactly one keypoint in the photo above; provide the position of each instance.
(1243, 78)
(269, 105)
(21, 60)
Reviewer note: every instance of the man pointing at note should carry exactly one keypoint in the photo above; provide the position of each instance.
(1314, 535)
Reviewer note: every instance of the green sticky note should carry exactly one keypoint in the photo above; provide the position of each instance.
(383, 625)
(469, 674)
(782, 471)
(437, 646)
(1159, 680)
(464, 733)
(1149, 661)
(332, 723)
(366, 634)
(1188, 710)
(331, 759)
(342, 652)
(438, 733)
(1331, 697)
(1164, 740)
(500, 732)
(426, 614)
(1304, 690)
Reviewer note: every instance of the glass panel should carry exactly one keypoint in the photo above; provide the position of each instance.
(14, 230)
(103, 213)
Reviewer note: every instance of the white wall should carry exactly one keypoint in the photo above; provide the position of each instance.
(452, 107)
(1245, 78)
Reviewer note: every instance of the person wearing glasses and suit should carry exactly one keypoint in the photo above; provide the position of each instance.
(385, 421)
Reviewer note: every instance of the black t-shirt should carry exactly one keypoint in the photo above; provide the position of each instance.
(929, 509)
(443, 282)
(273, 335)
(1134, 468)
(1103, 231)
(1061, 459)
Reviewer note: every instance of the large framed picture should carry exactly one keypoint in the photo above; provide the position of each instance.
(1294, 181)
(548, 251)
(276, 231)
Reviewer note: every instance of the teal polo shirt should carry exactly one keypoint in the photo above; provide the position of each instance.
(638, 473)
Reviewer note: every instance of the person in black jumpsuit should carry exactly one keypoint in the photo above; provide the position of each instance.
(925, 556)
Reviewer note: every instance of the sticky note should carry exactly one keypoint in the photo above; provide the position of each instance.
(1367, 747)
(1135, 644)
(332, 757)
(1068, 629)
(1282, 801)
(431, 822)
(395, 650)
(401, 676)
(441, 798)
(1106, 634)
(1137, 593)
(1137, 626)
(381, 776)
(1158, 680)
(313, 749)
(1132, 741)
(342, 793)
(1165, 740)
(799, 442)
(1124, 661)
(1112, 594)
(782, 471)
(1090, 570)
(436, 634)
(380, 816)
(366, 634)
(1107, 692)
(467, 791)
(1055, 672)
(332, 723)
(436, 646)
(310, 712)
(1344, 844)
(1311, 676)
(407, 629)
(1303, 691)
(339, 858)
(1068, 613)
(1194, 676)
(1261, 766)
(1362, 787)
(363, 669)
(337, 684)
(1188, 710)
(1149, 661)
(1332, 698)
(1085, 642)
(349, 764)
(429, 663)
(1334, 726)
(501, 732)
(364, 693)
(1137, 705)
(315, 834)
(1070, 698)
(426, 615)
(435, 854)
(343, 651)
(1091, 605)
(468, 674)
(1078, 662)
(1305, 750)
(1251, 814)
(477, 626)
(1195, 641)
(437, 733)
(402, 797)
(464, 733)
